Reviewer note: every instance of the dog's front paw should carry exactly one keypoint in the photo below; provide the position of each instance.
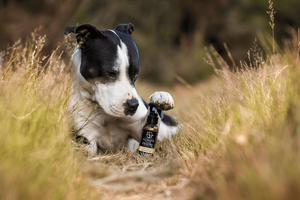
(162, 100)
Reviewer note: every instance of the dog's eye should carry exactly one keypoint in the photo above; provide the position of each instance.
(111, 74)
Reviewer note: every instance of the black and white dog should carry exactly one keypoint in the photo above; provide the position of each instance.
(105, 106)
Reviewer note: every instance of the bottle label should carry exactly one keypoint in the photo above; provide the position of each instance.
(148, 141)
(146, 150)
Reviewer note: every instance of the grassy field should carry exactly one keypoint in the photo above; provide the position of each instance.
(239, 137)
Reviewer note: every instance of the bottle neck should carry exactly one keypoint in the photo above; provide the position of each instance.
(153, 116)
(152, 119)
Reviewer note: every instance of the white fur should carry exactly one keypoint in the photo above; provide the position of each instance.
(97, 110)
(162, 98)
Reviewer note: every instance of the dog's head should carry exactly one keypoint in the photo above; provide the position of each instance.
(110, 64)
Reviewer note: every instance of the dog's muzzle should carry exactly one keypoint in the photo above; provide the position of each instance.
(131, 106)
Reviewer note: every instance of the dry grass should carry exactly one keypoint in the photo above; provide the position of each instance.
(239, 136)
(239, 139)
(37, 160)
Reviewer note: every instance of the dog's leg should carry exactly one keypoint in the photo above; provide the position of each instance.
(96, 138)
(132, 144)
(90, 134)
(92, 147)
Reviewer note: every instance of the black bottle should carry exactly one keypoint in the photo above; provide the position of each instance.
(150, 132)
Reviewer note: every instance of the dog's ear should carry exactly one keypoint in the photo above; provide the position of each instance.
(125, 28)
(85, 34)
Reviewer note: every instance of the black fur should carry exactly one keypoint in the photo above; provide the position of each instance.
(125, 28)
(86, 33)
(134, 65)
(170, 121)
(97, 61)
(99, 51)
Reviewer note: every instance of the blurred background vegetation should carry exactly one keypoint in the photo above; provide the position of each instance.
(170, 34)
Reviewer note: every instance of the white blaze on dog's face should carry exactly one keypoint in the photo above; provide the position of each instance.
(110, 63)
(118, 96)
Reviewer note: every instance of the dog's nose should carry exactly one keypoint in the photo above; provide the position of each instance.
(132, 104)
